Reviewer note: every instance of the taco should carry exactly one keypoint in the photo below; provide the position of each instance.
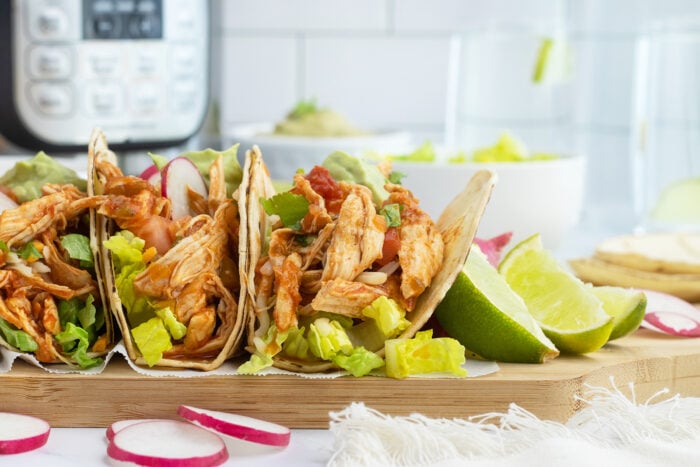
(345, 261)
(173, 282)
(51, 302)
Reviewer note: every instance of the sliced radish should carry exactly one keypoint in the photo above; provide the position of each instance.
(177, 175)
(118, 426)
(22, 433)
(167, 443)
(237, 426)
(671, 315)
(152, 175)
(493, 247)
(6, 202)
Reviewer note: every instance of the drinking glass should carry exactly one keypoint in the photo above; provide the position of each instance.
(666, 127)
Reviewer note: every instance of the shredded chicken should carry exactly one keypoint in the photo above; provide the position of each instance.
(345, 297)
(421, 251)
(358, 236)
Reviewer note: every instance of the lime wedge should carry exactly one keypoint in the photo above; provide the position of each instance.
(564, 307)
(489, 319)
(626, 306)
(679, 202)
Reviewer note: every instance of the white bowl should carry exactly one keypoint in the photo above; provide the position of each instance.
(543, 197)
(285, 154)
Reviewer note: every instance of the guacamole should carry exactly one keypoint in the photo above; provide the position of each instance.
(26, 178)
(306, 119)
(344, 167)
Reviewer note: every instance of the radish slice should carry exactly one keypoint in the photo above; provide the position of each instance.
(493, 247)
(177, 175)
(22, 433)
(152, 175)
(118, 426)
(671, 315)
(237, 426)
(167, 443)
(6, 202)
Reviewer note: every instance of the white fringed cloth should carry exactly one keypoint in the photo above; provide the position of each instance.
(611, 430)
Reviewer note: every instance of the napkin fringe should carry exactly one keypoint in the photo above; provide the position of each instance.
(364, 436)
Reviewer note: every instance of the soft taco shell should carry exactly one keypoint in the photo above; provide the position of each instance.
(458, 225)
(100, 151)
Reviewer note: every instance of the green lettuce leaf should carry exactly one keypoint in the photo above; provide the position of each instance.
(423, 354)
(389, 316)
(392, 214)
(233, 174)
(75, 342)
(152, 339)
(290, 207)
(17, 338)
(296, 344)
(30, 252)
(327, 338)
(359, 362)
(257, 362)
(158, 160)
(78, 247)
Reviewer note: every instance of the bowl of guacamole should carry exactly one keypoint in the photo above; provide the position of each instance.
(307, 134)
(536, 192)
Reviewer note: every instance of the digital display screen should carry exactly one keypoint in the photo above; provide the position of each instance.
(122, 19)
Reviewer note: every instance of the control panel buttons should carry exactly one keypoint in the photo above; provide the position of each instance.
(50, 21)
(104, 99)
(183, 61)
(101, 61)
(146, 98)
(51, 99)
(50, 62)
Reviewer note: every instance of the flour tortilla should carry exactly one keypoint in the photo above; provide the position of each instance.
(98, 149)
(674, 253)
(457, 224)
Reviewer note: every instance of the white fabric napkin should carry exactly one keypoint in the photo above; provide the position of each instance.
(610, 430)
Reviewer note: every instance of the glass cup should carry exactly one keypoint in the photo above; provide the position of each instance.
(511, 77)
(666, 128)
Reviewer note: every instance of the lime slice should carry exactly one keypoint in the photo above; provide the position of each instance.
(553, 61)
(679, 202)
(626, 306)
(564, 307)
(489, 319)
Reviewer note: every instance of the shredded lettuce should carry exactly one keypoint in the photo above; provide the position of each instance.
(257, 362)
(152, 338)
(389, 316)
(265, 348)
(327, 338)
(78, 247)
(17, 338)
(158, 160)
(290, 207)
(423, 354)
(75, 342)
(30, 252)
(296, 344)
(359, 361)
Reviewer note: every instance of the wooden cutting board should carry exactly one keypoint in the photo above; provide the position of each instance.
(650, 360)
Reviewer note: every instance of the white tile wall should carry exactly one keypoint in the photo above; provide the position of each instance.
(385, 62)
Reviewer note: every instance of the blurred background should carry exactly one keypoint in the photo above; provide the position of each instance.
(435, 69)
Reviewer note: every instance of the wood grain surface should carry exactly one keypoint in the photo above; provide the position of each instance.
(650, 360)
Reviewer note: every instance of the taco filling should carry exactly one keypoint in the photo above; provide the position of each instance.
(342, 268)
(176, 278)
(50, 301)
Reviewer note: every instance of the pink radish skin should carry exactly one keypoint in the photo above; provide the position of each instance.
(237, 426)
(6, 202)
(493, 247)
(152, 175)
(118, 426)
(177, 175)
(22, 433)
(166, 443)
(671, 315)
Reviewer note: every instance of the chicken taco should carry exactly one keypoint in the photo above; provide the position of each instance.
(172, 258)
(51, 303)
(346, 261)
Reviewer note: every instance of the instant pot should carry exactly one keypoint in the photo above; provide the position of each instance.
(138, 69)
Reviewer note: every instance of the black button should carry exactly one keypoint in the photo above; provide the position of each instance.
(144, 26)
(105, 27)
